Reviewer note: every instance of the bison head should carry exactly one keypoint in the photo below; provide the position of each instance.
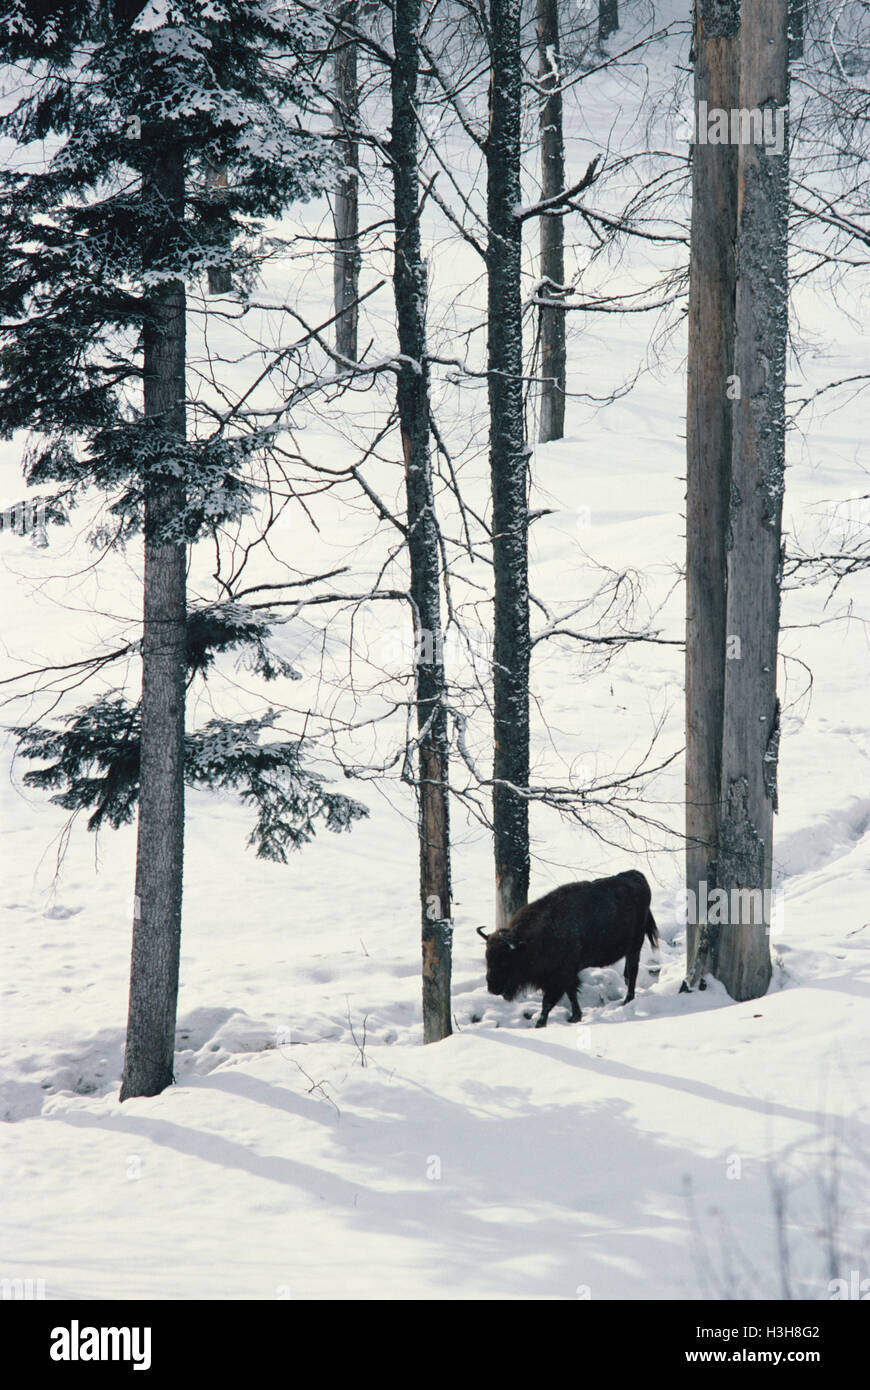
(505, 965)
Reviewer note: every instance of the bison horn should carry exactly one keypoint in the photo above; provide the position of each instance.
(481, 932)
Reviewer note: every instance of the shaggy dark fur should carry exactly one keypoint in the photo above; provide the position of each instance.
(546, 944)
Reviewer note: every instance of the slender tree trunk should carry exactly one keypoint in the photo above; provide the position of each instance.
(409, 279)
(552, 321)
(608, 18)
(796, 20)
(712, 281)
(220, 280)
(508, 465)
(754, 561)
(148, 1063)
(346, 198)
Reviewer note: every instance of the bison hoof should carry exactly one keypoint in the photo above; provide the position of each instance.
(541, 1023)
(627, 1000)
(575, 1018)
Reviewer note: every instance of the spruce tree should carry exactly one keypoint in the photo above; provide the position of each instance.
(138, 105)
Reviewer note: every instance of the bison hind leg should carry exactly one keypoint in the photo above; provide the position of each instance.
(631, 965)
(575, 1014)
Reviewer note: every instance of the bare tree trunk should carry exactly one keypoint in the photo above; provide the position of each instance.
(346, 198)
(712, 281)
(409, 279)
(608, 18)
(508, 465)
(754, 562)
(552, 321)
(148, 1062)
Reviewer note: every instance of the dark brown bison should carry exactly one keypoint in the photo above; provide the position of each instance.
(547, 944)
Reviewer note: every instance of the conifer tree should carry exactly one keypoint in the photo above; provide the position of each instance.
(139, 104)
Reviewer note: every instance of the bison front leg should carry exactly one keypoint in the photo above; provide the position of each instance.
(550, 1001)
(575, 1014)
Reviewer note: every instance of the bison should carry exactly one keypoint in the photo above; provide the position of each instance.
(546, 944)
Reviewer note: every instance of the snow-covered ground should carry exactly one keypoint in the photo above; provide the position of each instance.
(632, 1155)
(312, 1147)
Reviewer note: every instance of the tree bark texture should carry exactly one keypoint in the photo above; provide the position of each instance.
(608, 18)
(148, 1062)
(346, 266)
(712, 288)
(552, 270)
(796, 22)
(754, 556)
(409, 279)
(220, 280)
(508, 466)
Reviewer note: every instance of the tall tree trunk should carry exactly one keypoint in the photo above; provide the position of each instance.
(754, 561)
(552, 321)
(346, 265)
(712, 281)
(148, 1062)
(409, 279)
(508, 465)
(608, 18)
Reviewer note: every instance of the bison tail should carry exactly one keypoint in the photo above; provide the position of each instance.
(652, 931)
